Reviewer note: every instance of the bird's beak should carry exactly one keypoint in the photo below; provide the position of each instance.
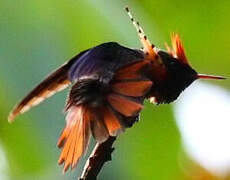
(204, 76)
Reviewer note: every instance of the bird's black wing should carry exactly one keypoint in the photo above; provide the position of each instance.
(103, 61)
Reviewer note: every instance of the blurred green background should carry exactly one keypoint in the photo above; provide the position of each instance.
(38, 36)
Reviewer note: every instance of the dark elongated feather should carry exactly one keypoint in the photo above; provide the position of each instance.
(56, 81)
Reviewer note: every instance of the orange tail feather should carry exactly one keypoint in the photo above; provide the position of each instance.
(123, 105)
(131, 71)
(98, 128)
(132, 88)
(112, 123)
(75, 136)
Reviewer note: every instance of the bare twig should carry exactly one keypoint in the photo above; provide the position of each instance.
(101, 154)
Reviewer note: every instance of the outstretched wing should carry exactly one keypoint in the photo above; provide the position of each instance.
(55, 82)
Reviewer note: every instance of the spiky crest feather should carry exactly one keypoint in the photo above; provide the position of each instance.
(178, 49)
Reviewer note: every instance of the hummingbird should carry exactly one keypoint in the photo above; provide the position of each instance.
(109, 84)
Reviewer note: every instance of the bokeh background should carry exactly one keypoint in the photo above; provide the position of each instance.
(188, 139)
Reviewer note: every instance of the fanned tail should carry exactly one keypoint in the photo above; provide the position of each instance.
(81, 122)
(101, 110)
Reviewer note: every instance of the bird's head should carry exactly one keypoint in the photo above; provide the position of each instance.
(179, 73)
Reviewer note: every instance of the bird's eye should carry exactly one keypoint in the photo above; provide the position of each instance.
(172, 62)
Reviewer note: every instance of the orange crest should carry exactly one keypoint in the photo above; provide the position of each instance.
(178, 49)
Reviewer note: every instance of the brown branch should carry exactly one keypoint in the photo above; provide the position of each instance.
(100, 155)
